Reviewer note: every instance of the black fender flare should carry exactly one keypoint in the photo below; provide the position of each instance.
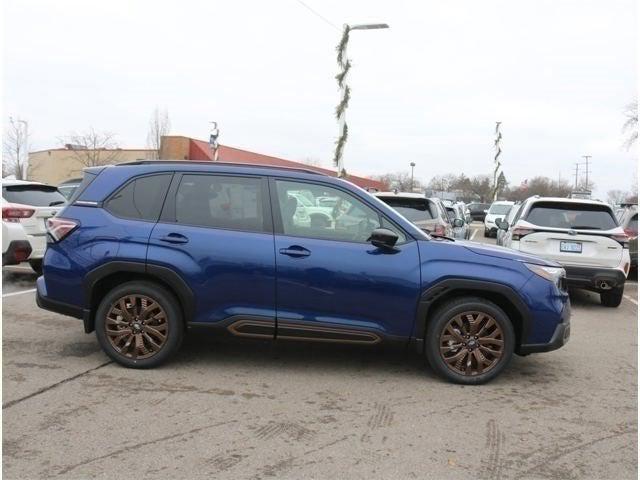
(165, 274)
(449, 285)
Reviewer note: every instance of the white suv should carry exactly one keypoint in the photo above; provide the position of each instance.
(497, 211)
(30, 204)
(581, 235)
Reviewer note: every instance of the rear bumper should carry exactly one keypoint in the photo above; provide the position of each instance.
(38, 246)
(62, 308)
(592, 277)
(17, 251)
(558, 339)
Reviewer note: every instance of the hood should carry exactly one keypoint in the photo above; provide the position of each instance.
(505, 253)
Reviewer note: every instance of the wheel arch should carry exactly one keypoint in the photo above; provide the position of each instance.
(99, 281)
(446, 290)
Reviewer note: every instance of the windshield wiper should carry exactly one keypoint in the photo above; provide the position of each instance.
(57, 202)
(446, 237)
(583, 227)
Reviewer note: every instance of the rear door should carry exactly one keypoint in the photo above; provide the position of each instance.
(215, 232)
(572, 234)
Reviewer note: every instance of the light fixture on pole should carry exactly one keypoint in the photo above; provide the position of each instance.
(412, 164)
(345, 91)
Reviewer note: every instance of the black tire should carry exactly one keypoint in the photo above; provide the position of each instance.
(486, 233)
(173, 315)
(440, 320)
(612, 298)
(36, 266)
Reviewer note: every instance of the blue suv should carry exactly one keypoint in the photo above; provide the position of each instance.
(146, 250)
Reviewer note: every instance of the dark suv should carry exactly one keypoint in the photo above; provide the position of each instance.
(146, 250)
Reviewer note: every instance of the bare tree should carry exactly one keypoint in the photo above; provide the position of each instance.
(630, 126)
(92, 148)
(159, 126)
(312, 161)
(14, 149)
(400, 181)
(616, 197)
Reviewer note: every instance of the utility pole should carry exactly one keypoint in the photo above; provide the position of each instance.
(586, 162)
(345, 91)
(412, 164)
(213, 140)
(25, 164)
(576, 175)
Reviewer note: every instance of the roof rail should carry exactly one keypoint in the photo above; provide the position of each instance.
(229, 164)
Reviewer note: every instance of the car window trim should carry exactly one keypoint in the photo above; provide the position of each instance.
(168, 214)
(278, 228)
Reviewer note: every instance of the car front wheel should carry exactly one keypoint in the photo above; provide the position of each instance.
(612, 298)
(139, 324)
(469, 341)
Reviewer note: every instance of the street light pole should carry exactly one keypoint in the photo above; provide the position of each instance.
(25, 164)
(412, 165)
(345, 91)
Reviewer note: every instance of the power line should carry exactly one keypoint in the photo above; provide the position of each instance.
(324, 19)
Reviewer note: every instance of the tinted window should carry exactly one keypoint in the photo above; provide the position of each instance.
(413, 209)
(348, 220)
(141, 198)
(35, 195)
(571, 215)
(218, 201)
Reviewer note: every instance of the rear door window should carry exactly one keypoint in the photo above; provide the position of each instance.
(571, 216)
(34, 195)
(140, 199)
(220, 201)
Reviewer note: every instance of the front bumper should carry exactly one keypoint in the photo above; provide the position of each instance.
(558, 339)
(592, 277)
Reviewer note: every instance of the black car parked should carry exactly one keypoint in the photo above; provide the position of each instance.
(478, 210)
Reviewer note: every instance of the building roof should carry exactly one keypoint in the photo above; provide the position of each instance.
(201, 150)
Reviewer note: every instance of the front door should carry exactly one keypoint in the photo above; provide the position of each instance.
(332, 284)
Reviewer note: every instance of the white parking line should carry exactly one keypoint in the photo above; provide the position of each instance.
(18, 293)
(632, 300)
(475, 230)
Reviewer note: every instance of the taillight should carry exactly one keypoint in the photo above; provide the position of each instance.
(58, 228)
(631, 233)
(518, 233)
(14, 212)
(622, 239)
(439, 230)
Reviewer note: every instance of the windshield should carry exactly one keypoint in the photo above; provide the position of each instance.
(572, 215)
(34, 195)
(499, 209)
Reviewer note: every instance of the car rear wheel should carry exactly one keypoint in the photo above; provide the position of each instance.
(139, 324)
(469, 341)
(612, 298)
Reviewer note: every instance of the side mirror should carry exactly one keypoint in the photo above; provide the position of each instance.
(458, 222)
(502, 225)
(383, 238)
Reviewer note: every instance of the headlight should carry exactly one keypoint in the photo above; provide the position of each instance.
(553, 274)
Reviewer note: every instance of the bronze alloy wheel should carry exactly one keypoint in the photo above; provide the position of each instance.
(472, 343)
(137, 326)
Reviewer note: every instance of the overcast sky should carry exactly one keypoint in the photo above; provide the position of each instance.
(557, 73)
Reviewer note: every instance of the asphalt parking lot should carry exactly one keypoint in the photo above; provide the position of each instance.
(225, 409)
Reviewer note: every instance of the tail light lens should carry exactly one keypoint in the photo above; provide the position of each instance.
(58, 228)
(518, 233)
(631, 233)
(14, 212)
(622, 239)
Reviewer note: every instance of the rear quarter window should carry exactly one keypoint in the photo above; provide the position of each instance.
(413, 209)
(140, 199)
(571, 216)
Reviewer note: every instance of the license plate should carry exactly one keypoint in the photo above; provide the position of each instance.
(571, 247)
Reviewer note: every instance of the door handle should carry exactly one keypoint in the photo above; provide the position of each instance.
(295, 251)
(174, 238)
